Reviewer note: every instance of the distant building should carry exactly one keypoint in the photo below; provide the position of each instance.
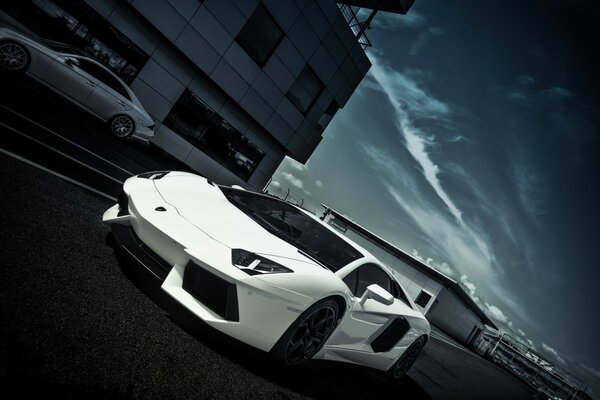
(443, 301)
(234, 86)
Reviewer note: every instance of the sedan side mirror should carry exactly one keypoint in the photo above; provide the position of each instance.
(378, 294)
(71, 61)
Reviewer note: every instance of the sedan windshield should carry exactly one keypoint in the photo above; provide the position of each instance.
(292, 225)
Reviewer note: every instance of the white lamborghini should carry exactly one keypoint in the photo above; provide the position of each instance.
(266, 272)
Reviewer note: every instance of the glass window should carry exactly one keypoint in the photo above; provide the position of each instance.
(71, 26)
(260, 36)
(351, 280)
(371, 274)
(194, 120)
(295, 227)
(423, 299)
(305, 90)
(103, 76)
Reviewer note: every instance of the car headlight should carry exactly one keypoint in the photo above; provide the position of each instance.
(253, 264)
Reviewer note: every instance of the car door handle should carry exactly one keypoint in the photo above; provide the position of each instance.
(92, 84)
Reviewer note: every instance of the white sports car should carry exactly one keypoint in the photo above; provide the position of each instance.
(266, 272)
(78, 78)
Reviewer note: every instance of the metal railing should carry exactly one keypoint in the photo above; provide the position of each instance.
(357, 27)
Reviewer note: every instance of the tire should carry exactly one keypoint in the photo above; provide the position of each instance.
(307, 334)
(14, 57)
(121, 126)
(407, 359)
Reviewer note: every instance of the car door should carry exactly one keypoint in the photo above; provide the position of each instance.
(68, 77)
(366, 320)
(110, 96)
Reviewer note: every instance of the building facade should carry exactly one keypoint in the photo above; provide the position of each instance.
(440, 298)
(233, 86)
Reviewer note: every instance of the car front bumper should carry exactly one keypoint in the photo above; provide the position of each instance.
(246, 308)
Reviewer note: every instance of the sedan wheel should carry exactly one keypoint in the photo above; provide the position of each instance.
(307, 335)
(407, 359)
(13, 56)
(121, 126)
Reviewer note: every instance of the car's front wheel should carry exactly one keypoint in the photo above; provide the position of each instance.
(407, 359)
(121, 126)
(14, 57)
(307, 335)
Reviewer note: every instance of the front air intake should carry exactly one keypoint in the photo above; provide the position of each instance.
(390, 335)
(212, 291)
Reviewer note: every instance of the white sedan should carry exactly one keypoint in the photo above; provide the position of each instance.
(266, 272)
(80, 79)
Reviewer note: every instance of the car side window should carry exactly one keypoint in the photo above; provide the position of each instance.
(370, 274)
(351, 280)
(114, 84)
(90, 68)
(365, 275)
(103, 76)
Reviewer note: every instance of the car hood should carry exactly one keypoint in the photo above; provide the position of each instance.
(204, 205)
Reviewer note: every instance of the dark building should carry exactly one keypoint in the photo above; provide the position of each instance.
(234, 86)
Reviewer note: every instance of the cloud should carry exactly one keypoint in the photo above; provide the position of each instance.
(409, 100)
(591, 370)
(442, 267)
(496, 313)
(297, 182)
(458, 138)
(525, 93)
(422, 39)
(469, 285)
(531, 188)
(520, 332)
(416, 255)
(275, 184)
(318, 183)
(549, 350)
(296, 165)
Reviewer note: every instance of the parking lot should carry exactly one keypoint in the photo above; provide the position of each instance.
(77, 322)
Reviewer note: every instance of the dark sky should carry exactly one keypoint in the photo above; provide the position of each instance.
(474, 142)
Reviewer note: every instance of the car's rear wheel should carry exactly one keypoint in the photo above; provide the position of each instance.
(14, 57)
(307, 335)
(121, 126)
(407, 359)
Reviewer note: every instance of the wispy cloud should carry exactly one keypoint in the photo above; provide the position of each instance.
(318, 183)
(531, 188)
(409, 101)
(549, 350)
(422, 39)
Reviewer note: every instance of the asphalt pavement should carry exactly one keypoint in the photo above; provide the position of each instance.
(78, 322)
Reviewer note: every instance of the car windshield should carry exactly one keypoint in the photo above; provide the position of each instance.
(295, 227)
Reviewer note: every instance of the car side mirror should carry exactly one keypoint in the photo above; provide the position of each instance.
(71, 61)
(378, 294)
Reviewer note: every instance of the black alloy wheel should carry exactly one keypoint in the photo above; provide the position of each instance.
(407, 359)
(122, 126)
(14, 57)
(307, 335)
